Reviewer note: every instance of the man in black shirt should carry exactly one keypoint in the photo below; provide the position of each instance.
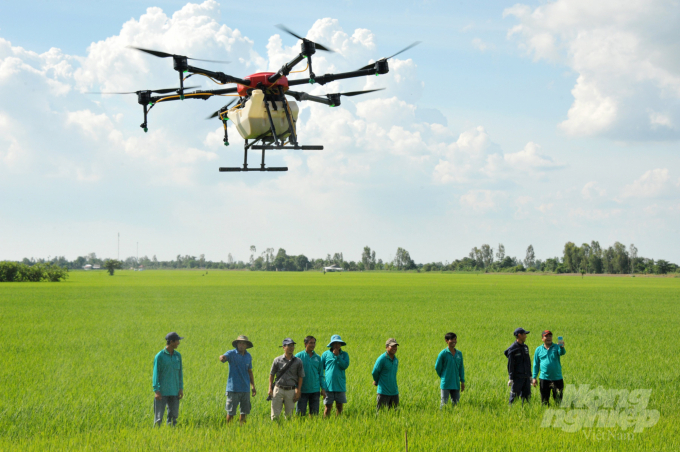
(519, 367)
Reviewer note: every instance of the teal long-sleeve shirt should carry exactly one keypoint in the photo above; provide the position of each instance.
(385, 374)
(547, 360)
(334, 370)
(313, 380)
(167, 373)
(450, 369)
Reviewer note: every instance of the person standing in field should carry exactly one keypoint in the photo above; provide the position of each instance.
(385, 376)
(519, 367)
(547, 360)
(335, 362)
(289, 373)
(240, 383)
(450, 369)
(313, 380)
(168, 381)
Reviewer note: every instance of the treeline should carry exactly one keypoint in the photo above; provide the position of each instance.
(18, 272)
(587, 258)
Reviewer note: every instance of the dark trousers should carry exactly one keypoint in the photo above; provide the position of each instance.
(172, 402)
(311, 398)
(554, 386)
(521, 387)
(390, 401)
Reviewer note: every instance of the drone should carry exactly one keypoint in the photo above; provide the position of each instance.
(263, 116)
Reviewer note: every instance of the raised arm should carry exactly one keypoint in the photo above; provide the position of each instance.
(343, 360)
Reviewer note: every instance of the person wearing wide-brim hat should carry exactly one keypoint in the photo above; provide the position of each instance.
(334, 362)
(240, 383)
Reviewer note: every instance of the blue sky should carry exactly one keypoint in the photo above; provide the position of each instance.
(529, 123)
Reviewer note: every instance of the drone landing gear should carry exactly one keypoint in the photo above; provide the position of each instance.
(263, 148)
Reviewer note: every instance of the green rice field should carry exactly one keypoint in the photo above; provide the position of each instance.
(77, 358)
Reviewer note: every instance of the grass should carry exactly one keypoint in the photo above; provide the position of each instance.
(78, 357)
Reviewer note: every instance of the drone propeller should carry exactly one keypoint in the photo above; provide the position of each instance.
(158, 91)
(356, 93)
(217, 113)
(166, 55)
(316, 46)
(368, 66)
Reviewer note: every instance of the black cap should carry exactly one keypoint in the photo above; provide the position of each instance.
(520, 331)
(287, 341)
(172, 337)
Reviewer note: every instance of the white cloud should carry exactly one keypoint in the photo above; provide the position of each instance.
(482, 201)
(625, 55)
(652, 183)
(592, 190)
(480, 45)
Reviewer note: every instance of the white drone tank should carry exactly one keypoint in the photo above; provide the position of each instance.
(252, 121)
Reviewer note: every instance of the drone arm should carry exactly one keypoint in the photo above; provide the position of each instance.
(299, 96)
(285, 70)
(198, 94)
(323, 79)
(220, 76)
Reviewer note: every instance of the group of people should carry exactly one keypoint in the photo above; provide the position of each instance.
(301, 381)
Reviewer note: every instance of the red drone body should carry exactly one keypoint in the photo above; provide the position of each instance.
(261, 77)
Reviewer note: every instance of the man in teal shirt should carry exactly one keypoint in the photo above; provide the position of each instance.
(449, 367)
(334, 363)
(168, 381)
(385, 376)
(547, 360)
(313, 380)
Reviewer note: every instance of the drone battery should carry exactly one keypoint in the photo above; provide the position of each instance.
(252, 120)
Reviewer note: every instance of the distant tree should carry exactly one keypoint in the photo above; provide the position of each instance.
(621, 261)
(486, 255)
(403, 261)
(596, 254)
(500, 254)
(633, 257)
(530, 259)
(571, 258)
(230, 260)
(253, 250)
(662, 267)
(366, 257)
(112, 264)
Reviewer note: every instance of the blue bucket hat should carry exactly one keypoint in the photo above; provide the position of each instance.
(336, 338)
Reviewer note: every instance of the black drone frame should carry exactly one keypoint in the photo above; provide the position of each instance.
(272, 93)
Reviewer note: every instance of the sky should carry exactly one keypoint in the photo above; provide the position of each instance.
(532, 123)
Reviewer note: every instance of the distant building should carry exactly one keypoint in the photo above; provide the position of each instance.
(87, 267)
(333, 268)
(96, 267)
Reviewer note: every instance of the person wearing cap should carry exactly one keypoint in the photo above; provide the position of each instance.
(450, 369)
(313, 380)
(519, 367)
(385, 376)
(240, 383)
(289, 373)
(168, 381)
(547, 361)
(335, 362)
